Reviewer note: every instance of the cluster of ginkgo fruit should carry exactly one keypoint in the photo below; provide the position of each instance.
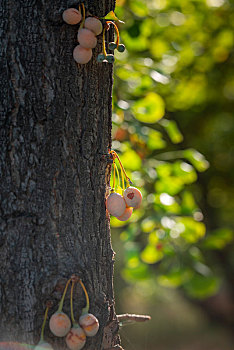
(89, 28)
(121, 205)
(61, 325)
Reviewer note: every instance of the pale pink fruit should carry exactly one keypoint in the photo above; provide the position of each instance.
(76, 338)
(90, 324)
(126, 215)
(132, 197)
(93, 24)
(60, 324)
(82, 55)
(86, 38)
(72, 16)
(115, 204)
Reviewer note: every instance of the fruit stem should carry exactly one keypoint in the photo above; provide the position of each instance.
(114, 165)
(117, 171)
(64, 293)
(122, 176)
(103, 42)
(115, 155)
(71, 303)
(86, 308)
(44, 323)
(48, 305)
(83, 18)
(116, 30)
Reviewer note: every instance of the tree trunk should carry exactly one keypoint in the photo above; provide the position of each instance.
(55, 135)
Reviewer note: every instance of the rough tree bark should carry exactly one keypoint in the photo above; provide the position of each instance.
(55, 133)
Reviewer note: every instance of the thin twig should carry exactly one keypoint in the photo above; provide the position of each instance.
(132, 317)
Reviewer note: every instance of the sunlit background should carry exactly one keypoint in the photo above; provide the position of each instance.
(173, 127)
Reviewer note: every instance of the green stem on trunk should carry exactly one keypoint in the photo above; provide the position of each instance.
(83, 16)
(64, 293)
(103, 42)
(43, 324)
(85, 310)
(71, 303)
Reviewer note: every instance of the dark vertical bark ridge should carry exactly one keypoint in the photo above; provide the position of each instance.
(55, 129)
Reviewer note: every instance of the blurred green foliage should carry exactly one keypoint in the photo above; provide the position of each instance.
(177, 70)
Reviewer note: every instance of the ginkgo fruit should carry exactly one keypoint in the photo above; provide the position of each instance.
(90, 324)
(72, 16)
(60, 324)
(115, 204)
(87, 38)
(81, 54)
(126, 215)
(76, 338)
(132, 197)
(93, 24)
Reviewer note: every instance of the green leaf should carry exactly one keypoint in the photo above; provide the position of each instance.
(131, 160)
(159, 47)
(193, 230)
(139, 8)
(138, 273)
(134, 44)
(131, 251)
(155, 140)
(218, 239)
(185, 172)
(151, 255)
(164, 169)
(202, 287)
(196, 159)
(173, 177)
(171, 185)
(112, 16)
(167, 203)
(188, 203)
(172, 130)
(174, 278)
(150, 109)
(148, 224)
(153, 238)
